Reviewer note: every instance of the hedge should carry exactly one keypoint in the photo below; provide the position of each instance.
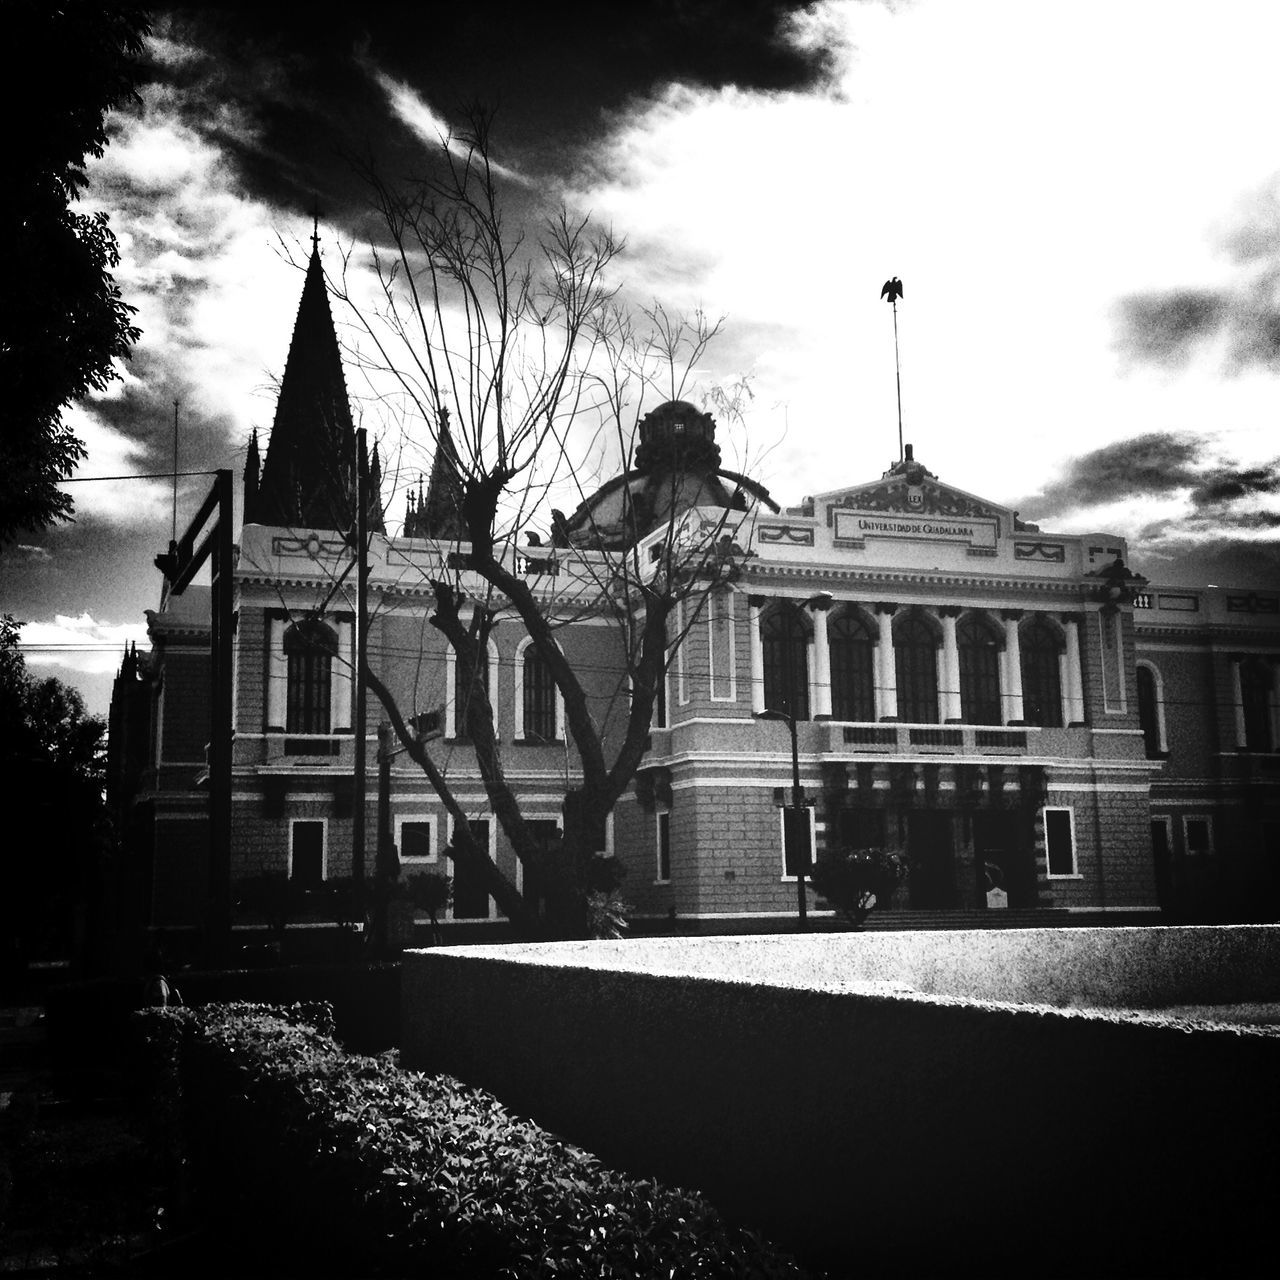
(351, 1164)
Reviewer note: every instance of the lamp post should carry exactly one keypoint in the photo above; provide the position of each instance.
(796, 829)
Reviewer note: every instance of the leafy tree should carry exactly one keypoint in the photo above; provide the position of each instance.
(855, 881)
(63, 322)
(517, 339)
(53, 761)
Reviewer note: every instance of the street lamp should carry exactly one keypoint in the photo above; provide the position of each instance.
(796, 829)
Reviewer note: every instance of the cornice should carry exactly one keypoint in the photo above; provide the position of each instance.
(757, 571)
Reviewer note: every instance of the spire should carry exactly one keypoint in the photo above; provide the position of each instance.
(375, 492)
(308, 477)
(439, 513)
(252, 474)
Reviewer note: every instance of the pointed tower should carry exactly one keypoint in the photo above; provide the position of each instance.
(439, 513)
(309, 474)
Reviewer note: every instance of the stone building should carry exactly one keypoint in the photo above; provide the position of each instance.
(1036, 727)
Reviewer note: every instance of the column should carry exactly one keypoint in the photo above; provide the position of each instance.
(754, 606)
(341, 679)
(277, 674)
(1014, 711)
(821, 661)
(949, 694)
(887, 683)
(1074, 685)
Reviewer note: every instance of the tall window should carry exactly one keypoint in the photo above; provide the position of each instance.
(1059, 842)
(663, 875)
(539, 698)
(979, 645)
(470, 896)
(786, 662)
(309, 648)
(1149, 712)
(915, 650)
(1041, 674)
(467, 680)
(306, 854)
(852, 641)
(1255, 693)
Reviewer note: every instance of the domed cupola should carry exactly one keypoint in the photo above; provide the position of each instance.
(676, 467)
(677, 435)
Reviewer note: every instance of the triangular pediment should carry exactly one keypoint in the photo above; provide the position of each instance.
(911, 489)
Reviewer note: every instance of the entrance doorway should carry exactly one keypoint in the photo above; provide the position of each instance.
(931, 850)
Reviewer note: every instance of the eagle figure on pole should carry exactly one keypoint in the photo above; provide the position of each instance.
(893, 291)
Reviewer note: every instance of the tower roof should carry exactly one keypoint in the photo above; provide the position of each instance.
(309, 473)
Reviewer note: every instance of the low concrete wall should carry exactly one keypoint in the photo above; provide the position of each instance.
(895, 1129)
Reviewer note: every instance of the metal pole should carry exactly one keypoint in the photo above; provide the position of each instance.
(362, 621)
(897, 374)
(221, 735)
(802, 846)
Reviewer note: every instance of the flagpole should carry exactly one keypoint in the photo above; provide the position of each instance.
(893, 291)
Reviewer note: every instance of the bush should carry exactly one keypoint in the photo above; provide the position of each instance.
(856, 880)
(368, 1169)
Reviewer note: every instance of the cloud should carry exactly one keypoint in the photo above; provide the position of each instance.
(1188, 514)
(80, 644)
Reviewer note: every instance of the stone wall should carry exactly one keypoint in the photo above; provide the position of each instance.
(835, 1092)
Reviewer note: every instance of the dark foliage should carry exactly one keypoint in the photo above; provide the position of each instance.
(63, 321)
(855, 881)
(52, 756)
(367, 1169)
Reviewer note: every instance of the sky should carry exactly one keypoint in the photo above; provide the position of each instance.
(1081, 199)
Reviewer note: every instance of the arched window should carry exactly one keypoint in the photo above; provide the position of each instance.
(1256, 683)
(979, 644)
(539, 702)
(468, 679)
(309, 647)
(785, 641)
(1041, 673)
(1150, 711)
(852, 641)
(915, 650)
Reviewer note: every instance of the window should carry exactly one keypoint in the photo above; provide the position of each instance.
(1041, 674)
(306, 853)
(531, 880)
(1197, 835)
(979, 644)
(538, 698)
(785, 640)
(797, 840)
(1255, 695)
(1060, 842)
(915, 650)
(416, 839)
(470, 897)
(852, 640)
(1151, 711)
(663, 834)
(309, 649)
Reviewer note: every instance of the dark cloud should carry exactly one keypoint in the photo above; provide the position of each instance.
(1224, 538)
(284, 93)
(1158, 462)
(1164, 328)
(1227, 485)
(1169, 327)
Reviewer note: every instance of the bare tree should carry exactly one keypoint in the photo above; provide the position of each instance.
(510, 353)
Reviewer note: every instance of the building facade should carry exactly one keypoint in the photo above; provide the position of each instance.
(1031, 724)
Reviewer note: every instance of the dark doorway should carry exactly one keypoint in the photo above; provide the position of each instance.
(999, 863)
(470, 898)
(307, 861)
(931, 850)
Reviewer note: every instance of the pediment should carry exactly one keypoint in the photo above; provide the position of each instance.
(910, 490)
